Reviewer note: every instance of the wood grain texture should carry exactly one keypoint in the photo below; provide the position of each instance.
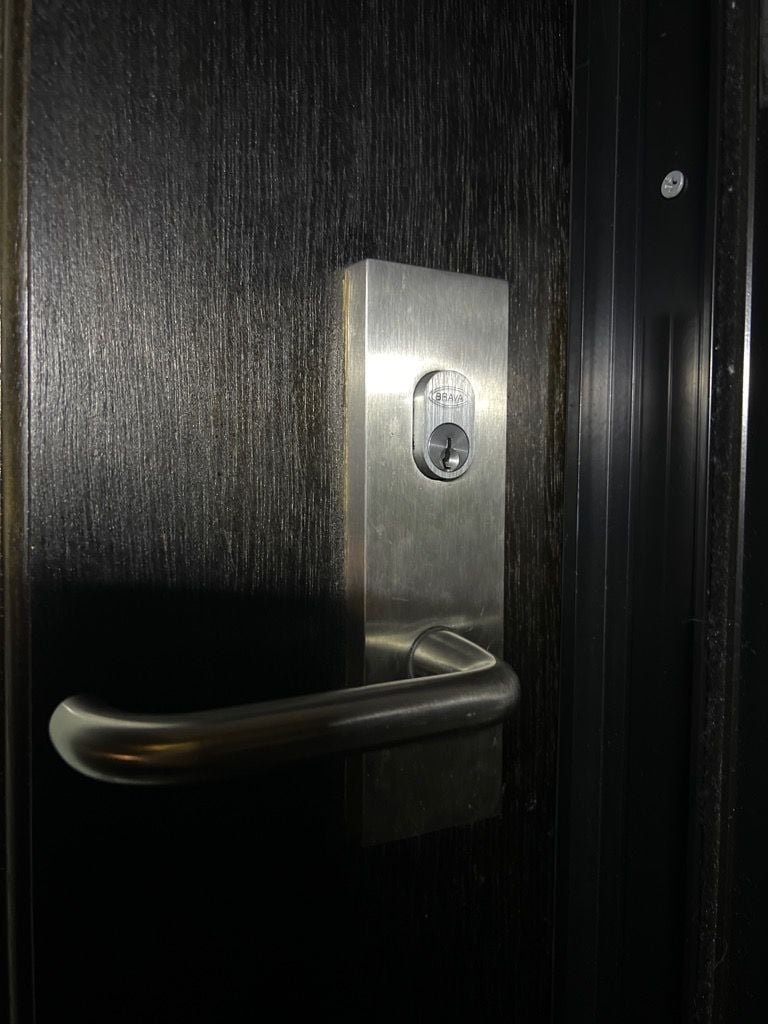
(15, 931)
(198, 173)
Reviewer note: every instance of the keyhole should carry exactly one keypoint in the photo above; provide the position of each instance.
(448, 448)
(450, 459)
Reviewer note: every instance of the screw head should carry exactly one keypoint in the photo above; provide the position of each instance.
(673, 184)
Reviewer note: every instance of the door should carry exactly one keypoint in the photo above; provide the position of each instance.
(195, 175)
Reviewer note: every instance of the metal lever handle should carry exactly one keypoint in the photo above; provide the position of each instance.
(465, 687)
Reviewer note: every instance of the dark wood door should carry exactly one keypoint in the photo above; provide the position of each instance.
(197, 172)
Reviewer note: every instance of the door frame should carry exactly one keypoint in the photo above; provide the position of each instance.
(650, 665)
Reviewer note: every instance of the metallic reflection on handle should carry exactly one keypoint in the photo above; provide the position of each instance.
(471, 689)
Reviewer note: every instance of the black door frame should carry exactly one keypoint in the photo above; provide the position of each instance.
(654, 495)
(729, 836)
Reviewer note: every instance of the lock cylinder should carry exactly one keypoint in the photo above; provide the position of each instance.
(443, 424)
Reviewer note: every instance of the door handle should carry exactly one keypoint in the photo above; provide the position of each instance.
(454, 685)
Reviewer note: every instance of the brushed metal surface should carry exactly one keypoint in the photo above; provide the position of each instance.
(420, 553)
(454, 685)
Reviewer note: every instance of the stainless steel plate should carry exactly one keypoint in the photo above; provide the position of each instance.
(421, 551)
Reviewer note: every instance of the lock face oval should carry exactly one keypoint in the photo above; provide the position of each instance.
(443, 424)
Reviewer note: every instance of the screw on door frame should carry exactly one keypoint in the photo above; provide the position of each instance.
(673, 184)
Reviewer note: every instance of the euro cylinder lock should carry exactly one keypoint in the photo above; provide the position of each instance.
(443, 424)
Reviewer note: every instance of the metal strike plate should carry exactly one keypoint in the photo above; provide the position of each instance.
(424, 546)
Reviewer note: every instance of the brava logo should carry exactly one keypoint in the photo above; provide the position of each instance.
(448, 396)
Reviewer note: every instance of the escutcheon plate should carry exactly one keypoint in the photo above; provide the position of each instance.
(421, 551)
